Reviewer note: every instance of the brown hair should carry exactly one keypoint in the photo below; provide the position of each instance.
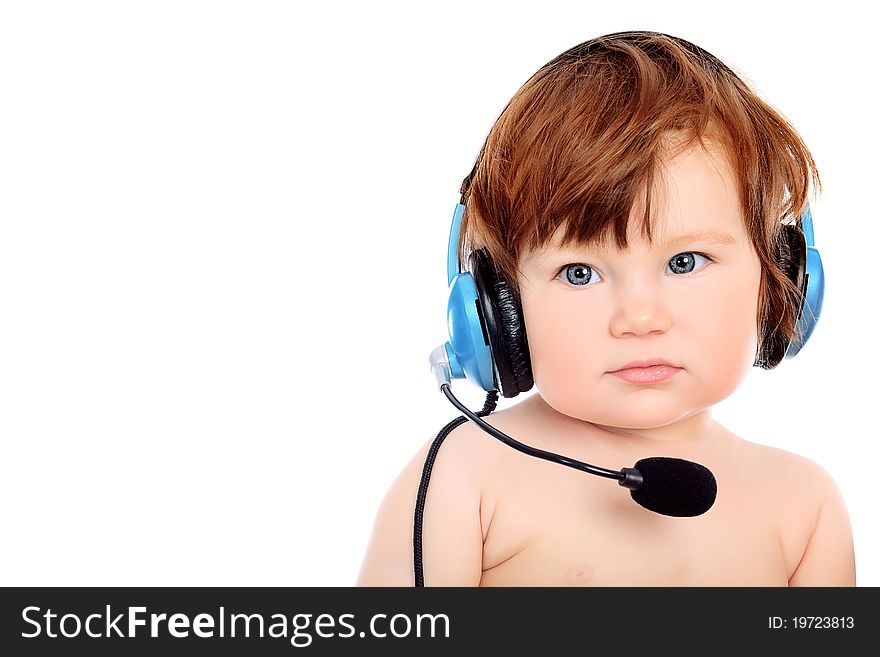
(585, 135)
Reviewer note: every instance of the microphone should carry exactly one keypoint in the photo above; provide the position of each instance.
(675, 487)
(668, 486)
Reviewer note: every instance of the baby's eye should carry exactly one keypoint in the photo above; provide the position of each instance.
(578, 274)
(685, 263)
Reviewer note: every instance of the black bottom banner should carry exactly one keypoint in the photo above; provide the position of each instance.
(392, 621)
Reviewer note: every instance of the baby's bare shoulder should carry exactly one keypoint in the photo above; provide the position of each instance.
(453, 516)
(807, 508)
(792, 487)
(780, 468)
(814, 521)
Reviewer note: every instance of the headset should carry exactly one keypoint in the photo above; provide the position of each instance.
(487, 340)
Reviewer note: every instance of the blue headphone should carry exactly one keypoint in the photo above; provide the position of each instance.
(487, 339)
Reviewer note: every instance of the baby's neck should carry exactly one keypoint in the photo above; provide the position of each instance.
(691, 431)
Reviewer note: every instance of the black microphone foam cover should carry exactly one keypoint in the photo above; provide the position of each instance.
(675, 487)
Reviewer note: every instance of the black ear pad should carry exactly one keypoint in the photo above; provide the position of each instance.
(500, 310)
(792, 257)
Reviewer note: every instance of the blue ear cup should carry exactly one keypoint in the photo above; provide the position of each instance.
(813, 288)
(468, 350)
(487, 340)
(802, 263)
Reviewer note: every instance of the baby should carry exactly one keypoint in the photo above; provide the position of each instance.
(633, 195)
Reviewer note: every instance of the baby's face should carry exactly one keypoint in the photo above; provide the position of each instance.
(690, 299)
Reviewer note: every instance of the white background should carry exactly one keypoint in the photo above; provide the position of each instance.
(222, 265)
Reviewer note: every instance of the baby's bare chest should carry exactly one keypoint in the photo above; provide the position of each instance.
(570, 529)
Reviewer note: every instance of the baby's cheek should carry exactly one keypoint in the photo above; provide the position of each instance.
(567, 373)
(730, 352)
(559, 374)
(565, 352)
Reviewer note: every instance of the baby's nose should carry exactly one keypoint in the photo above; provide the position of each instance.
(640, 310)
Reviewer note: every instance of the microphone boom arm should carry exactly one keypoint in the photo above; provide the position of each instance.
(629, 478)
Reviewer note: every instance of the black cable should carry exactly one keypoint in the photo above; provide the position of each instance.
(488, 407)
(534, 451)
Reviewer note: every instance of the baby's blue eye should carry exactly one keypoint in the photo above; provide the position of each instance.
(579, 274)
(685, 263)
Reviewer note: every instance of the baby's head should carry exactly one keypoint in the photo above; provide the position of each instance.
(634, 192)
